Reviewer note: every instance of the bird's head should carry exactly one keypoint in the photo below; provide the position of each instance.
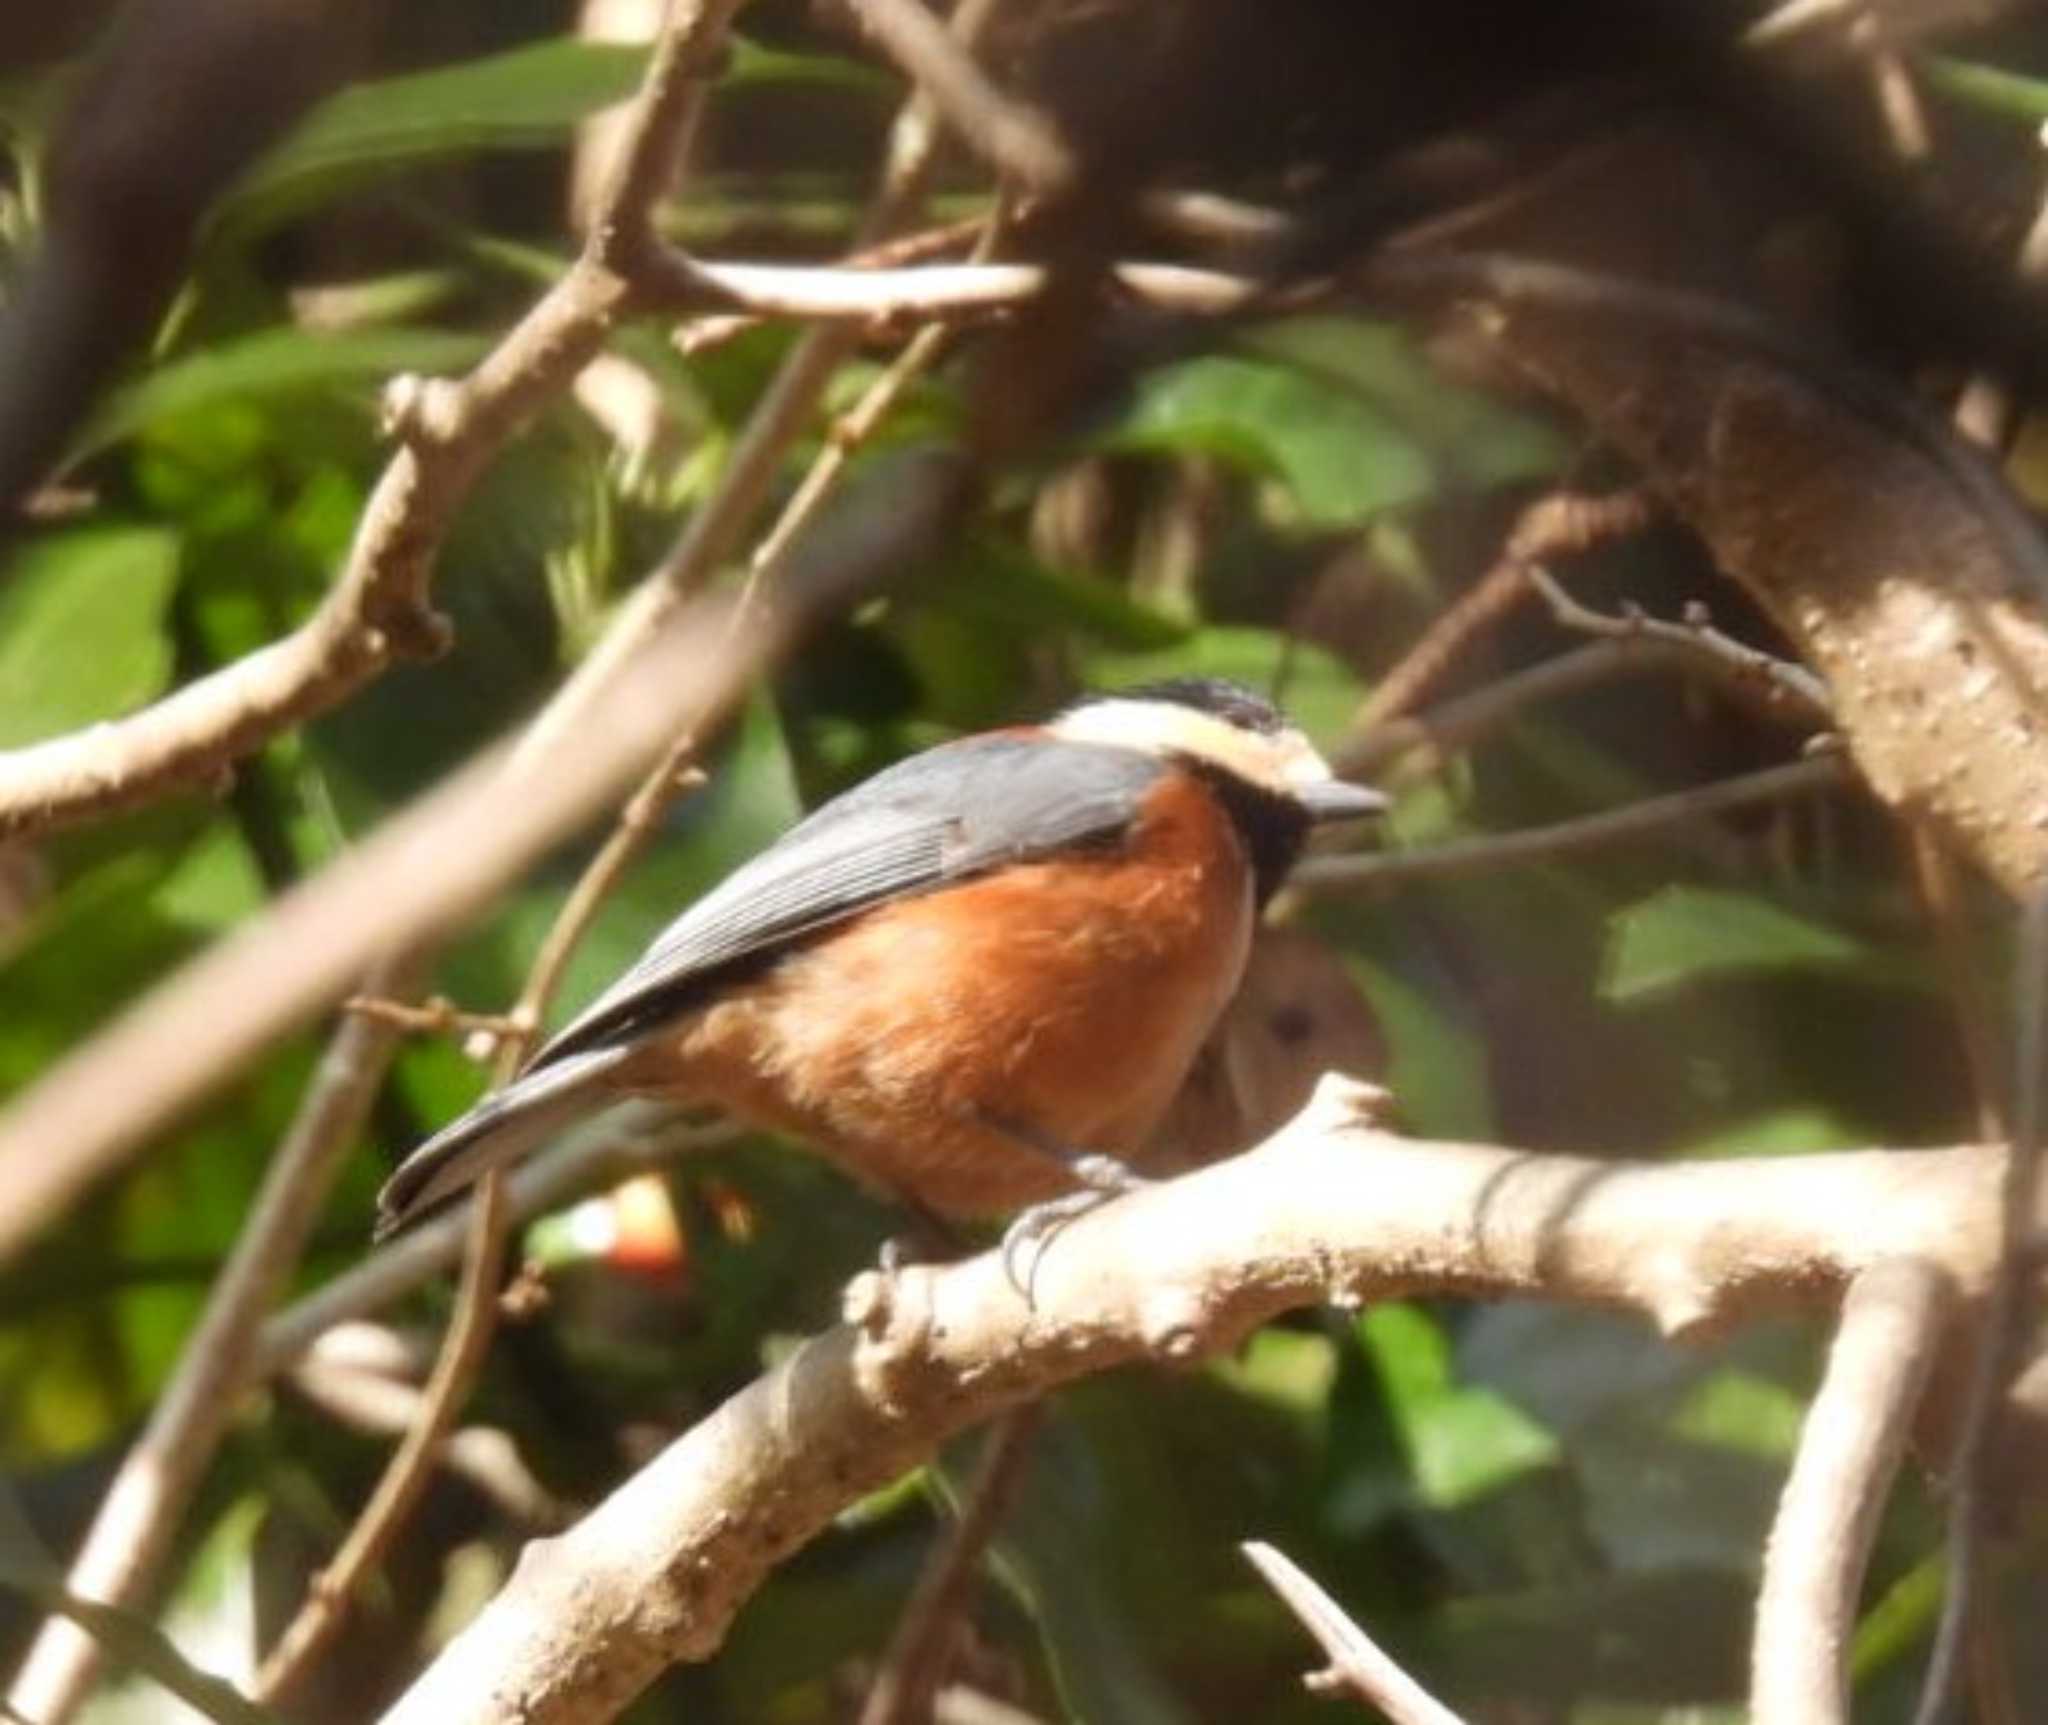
(1220, 728)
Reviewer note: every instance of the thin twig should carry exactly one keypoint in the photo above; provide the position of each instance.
(133, 1529)
(378, 611)
(1892, 89)
(922, 1647)
(702, 334)
(1464, 720)
(639, 821)
(1849, 1450)
(483, 1455)
(1358, 1665)
(321, 1615)
(621, 230)
(1751, 667)
(1560, 523)
(777, 416)
(2003, 1324)
(437, 1015)
(1014, 138)
(676, 282)
(1822, 772)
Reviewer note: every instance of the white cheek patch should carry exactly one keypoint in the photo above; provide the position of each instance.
(1281, 762)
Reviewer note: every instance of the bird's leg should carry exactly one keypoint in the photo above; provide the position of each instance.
(1101, 1177)
(928, 1238)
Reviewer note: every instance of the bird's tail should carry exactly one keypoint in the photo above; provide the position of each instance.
(501, 1128)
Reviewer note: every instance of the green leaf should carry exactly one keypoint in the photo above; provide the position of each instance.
(1004, 581)
(1467, 433)
(1899, 1624)
(1462, 1442)
(1342, 460)
(1741, 1410)
(2009, 95)
(1796, 1129)
(1437, 1063)
(275, 362)
(522, 99)
(82, 628)
(1685, 933)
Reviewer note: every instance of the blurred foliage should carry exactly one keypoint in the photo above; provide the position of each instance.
(1553, 1513)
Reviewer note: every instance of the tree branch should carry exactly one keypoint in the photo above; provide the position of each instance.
(1855, 1433)
(136, 1522)
(1460, 722)
(430, 866)
(926, 1638)
(1014, 138)
(1358, 1665)
(1174, 1273)
(1780, 681)
(2005, 1315)
(1325, 874)
(378, 609)
(1559, 523)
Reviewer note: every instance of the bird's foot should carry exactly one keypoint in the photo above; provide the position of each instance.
(1027, 1238)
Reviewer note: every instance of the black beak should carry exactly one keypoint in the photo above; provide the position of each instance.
(1334, 800)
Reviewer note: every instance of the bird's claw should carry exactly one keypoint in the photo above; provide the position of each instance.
(1102, 1178)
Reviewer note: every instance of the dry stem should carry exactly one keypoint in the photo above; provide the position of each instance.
(1855, 1433)
(1358, 1665)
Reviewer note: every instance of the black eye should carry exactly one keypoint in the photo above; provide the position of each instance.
(1292, 1025)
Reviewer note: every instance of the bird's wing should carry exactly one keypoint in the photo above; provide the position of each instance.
(960, 809)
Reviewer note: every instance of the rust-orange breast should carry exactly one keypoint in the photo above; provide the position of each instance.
(1068, 997)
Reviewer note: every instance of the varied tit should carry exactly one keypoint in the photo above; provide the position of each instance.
(976, 980)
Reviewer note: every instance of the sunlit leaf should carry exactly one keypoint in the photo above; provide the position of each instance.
(1797, 1129)
(1462, 1442)
(1013, 588)
(1467, 432)
(1990, 90)
(1741, 1410)
(1342, 459)
(82, 632)
(1685, 934)
(272, 363)
(1436, 1061)
(523, 98)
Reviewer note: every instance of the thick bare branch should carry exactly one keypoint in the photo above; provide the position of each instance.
(1176, 1272)
(1855, 1433)
(1893, 558)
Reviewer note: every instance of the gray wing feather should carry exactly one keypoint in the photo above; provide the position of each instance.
(954, 811)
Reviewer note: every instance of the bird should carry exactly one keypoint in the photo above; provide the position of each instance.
(977, 980)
